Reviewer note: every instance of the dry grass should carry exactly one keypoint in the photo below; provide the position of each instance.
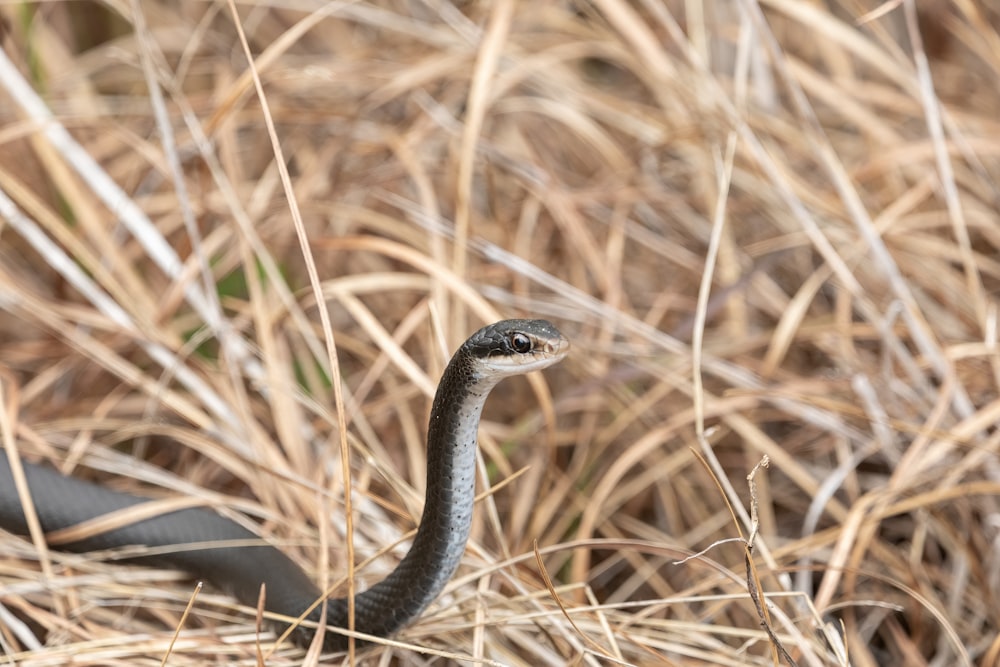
(770, 230)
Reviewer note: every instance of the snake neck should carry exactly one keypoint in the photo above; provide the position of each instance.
(447, 516)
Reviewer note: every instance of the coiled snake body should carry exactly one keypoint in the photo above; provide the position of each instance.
(500, 350)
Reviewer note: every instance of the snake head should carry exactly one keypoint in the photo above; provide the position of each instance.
(514, 347)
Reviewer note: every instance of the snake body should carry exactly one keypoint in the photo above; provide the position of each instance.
(503, 349)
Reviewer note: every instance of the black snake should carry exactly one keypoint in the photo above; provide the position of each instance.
(503, 349)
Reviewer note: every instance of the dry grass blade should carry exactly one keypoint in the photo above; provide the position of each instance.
(555, 596)
(239, 240)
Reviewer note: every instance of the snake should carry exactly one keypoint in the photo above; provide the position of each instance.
(237, 561)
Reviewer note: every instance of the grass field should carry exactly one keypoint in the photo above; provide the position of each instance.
(770, 229)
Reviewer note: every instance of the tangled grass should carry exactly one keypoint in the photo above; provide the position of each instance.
(769, 227)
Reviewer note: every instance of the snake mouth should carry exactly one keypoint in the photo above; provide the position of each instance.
(551, 354)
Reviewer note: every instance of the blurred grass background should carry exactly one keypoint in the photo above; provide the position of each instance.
(769, 228)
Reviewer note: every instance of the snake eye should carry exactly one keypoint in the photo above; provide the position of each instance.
(520, 342)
